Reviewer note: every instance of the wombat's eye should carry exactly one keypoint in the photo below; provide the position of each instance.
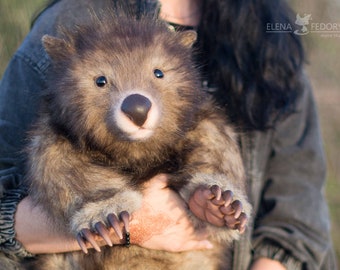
(101, 81)
(158, 73)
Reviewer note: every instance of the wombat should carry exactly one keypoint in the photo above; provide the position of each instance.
(124, 103)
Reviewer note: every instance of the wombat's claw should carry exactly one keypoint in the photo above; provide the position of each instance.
(82, 243)
(221, 198)
(227, 197)
(243, 219)
(86, 235)
(103, 232)
(234, 218)
(114, 222)
(217, 192)
(237, 207)
(125, 217)
(237, 224)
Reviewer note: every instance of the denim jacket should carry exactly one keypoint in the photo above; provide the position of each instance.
(285, 165)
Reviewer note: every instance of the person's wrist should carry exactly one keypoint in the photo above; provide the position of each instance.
(8, 207)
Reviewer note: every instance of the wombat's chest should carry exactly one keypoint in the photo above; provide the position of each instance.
(141, 170)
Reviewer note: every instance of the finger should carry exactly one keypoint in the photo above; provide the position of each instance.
(88, 236)
(227, 197)
(103, 232)
(203, 194)
(243, 219)
(237, 206)
(218, 202)
(196, 209)
(231, 222)
(227, 210)
(208, 212)
(114, 222)
(125, 217)
(82, 243)
(215, 219)
(217, 191)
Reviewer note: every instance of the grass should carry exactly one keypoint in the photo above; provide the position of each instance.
(323, 54)
(15, 17)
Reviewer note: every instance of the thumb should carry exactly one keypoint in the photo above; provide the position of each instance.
(160, 181)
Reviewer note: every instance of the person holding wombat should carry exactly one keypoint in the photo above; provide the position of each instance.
(264, 92)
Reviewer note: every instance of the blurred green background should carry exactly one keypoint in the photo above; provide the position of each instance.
(323, 67)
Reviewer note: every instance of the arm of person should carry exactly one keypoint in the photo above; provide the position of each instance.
(293, 224)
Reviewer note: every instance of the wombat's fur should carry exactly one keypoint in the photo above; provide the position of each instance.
(92, 150)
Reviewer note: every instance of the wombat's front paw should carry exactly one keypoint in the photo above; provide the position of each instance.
(218, 208)
(100, 229)
(234, 217)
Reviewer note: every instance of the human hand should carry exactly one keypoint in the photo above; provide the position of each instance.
(267, 264)
(162, 222)
(218, 208)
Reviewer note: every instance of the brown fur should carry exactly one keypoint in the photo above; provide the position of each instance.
(83, 166)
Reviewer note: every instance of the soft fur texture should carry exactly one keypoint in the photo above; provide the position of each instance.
(87, 159)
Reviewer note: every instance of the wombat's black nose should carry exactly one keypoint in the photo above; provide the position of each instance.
(136, 107)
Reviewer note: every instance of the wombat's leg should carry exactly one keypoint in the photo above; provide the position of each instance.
(94, 219)
(218, 207)
(86, 235)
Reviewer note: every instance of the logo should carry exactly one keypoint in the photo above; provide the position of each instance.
(302, 21)
(304, 25)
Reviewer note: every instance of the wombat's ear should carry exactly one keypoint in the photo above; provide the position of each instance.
(56, 48)
(188, 38)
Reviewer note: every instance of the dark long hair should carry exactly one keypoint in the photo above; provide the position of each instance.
(256, 73)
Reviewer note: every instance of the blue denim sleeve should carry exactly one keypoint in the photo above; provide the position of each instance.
(20, 89)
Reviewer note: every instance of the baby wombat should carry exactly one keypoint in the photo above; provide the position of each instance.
(124, 104)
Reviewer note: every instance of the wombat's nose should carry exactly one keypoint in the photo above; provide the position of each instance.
(136, 107)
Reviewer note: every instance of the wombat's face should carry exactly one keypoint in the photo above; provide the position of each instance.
(127, 86)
